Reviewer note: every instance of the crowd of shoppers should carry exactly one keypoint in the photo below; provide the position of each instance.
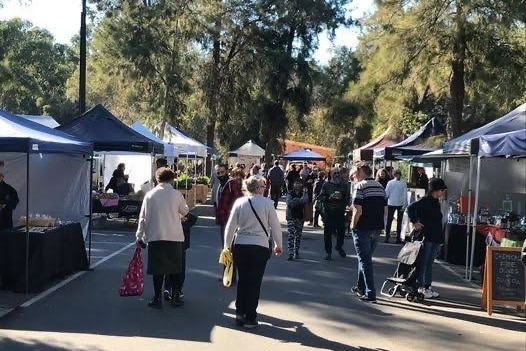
(250, 228)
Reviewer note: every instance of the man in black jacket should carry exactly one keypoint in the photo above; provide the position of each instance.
(8, 202)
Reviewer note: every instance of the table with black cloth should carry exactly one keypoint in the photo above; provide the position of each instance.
(53, 254)
(455, 251)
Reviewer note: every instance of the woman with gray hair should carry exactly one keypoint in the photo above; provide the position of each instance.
(253, 222)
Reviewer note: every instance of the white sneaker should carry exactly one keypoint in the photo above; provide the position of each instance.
(434, 294)
(428, 294)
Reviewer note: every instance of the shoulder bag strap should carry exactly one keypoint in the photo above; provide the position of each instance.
(259, 220)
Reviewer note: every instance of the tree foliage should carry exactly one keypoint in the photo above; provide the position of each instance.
(33, 71)
(231, 70)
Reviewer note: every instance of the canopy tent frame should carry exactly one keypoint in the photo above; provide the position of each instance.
(27, 137)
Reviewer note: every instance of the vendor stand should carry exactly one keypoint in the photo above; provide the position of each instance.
(50, 195)
(112, 137)
(53, 252)
(501, 147)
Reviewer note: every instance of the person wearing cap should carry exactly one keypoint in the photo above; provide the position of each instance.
(426, 217)
(396, 194)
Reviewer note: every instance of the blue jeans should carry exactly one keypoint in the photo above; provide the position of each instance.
(429, 252)
(365, 242)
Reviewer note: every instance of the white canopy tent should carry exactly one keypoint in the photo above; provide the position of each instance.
(170, 150)
(248, 153)
(47, 121)
(181, 140)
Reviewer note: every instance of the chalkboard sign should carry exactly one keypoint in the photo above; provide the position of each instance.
(505, 279)
(508, 276)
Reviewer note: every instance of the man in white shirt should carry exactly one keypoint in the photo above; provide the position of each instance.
(396, 194)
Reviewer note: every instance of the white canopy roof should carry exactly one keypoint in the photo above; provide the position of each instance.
(250, 148)
(47, 121)
(180, 140)
(169, 148)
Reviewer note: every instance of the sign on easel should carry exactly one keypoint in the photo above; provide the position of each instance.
(504, 278)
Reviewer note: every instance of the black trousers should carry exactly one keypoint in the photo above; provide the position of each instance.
(275, 194)
(250, 261)
(333, 224)
(390, 215)
(174, 282)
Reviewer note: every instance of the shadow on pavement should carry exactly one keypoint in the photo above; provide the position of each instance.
(313, 289)
(297, 333)
(7, 343)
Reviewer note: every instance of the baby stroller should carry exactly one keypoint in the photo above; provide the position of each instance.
(404, 280)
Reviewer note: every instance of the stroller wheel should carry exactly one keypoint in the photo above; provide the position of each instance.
(420, 297)
(402, 293)
(410, 297)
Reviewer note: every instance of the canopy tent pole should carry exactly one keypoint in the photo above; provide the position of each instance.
(27, 224)
(469, 214)
(195, 177)
(90, 215)
(474, 226)
(187, 161)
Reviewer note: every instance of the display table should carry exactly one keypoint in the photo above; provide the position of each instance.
(126, 208)
(53, 254)
(455, 250)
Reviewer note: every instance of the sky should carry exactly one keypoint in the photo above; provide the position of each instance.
(62, 19)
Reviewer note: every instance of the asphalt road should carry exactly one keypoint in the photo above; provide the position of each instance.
(305, 305)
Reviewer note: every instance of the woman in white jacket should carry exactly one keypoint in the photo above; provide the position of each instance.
(160, 227)
(254, 222)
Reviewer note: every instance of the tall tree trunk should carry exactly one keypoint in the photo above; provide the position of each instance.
(457, 89)
(213, 98)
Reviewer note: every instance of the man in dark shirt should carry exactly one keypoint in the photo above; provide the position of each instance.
(334, 197)
(277, 179)
(370, 209)
(8, 202)
(292, 175)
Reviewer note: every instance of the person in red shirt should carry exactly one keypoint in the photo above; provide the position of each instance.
(228, 191)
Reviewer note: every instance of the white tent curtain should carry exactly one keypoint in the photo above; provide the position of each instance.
(138, 168)
(58, 185)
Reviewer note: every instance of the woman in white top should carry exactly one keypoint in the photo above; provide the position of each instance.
(160, 227)
(250, 246)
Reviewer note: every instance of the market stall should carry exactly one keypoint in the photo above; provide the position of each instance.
(499, 197)
(116, 143)
(412, 145)
(366, 152)
(195, 152)
(51, 196)
(303, 155)
(249, 153)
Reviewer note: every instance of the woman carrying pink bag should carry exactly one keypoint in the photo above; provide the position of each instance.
(160, 226)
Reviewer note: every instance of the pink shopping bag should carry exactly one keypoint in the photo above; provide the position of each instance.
(133, 281)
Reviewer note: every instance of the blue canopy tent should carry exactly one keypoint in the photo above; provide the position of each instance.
(412, 144)
(469, 143)
(34, 158)
(504, 144)
(503, 137)
(108, 133)
(303, 155)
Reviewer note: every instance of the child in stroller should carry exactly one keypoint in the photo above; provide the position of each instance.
(404, 280)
